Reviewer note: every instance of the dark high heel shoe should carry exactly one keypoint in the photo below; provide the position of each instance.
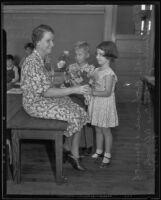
(75, 162)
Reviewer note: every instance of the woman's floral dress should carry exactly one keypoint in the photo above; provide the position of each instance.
(35, 80)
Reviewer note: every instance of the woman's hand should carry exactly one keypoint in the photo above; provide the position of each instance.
(84, 89)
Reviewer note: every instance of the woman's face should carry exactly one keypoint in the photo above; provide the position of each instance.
(46, 43)
(100, 57)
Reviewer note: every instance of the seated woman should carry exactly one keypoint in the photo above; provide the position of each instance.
(42, 99)
(12, 70)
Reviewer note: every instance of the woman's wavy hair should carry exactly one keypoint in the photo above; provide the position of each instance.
(38, 33)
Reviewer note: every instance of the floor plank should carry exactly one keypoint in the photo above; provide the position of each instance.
(131, 171)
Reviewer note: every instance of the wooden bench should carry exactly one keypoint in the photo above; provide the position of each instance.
(24, 126)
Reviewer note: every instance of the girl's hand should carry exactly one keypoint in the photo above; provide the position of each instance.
(84, 89)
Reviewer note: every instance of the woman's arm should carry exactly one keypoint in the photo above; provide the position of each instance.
(60, 92)
(15, 69)
(108, 87)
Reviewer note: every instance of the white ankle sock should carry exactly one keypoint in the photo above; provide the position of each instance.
(98, 152)
(106, 158)
(108, 155)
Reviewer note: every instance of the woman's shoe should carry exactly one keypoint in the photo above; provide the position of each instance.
(103, 165)
(75, 162)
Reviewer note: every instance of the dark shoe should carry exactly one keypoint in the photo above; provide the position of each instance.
(98, 158)
(103, 165)
(75, 162)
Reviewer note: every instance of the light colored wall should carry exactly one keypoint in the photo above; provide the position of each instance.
(70, 27)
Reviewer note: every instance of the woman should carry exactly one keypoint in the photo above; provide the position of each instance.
(41, 99)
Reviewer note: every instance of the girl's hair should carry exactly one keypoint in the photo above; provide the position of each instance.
(38, 33)
(109, 48)
(10, 57)
(29, 45)
(82, 45)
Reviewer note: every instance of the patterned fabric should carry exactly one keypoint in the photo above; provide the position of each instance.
(102, 110)
(75, 80)
(76, 68)
(35, 80)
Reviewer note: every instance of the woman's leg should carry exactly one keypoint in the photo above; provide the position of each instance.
(67, 143)
(75, 144)
(74, 157)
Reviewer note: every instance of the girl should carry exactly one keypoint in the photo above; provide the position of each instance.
(102, 108)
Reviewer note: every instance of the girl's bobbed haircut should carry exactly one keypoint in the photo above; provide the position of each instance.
(109, 48)
(38, 33)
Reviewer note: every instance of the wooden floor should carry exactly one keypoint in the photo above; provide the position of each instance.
(130, 173)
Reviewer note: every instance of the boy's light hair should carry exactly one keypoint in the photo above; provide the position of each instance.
(82, 45)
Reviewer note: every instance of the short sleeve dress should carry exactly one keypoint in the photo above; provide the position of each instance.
(102, 110)
(35, 80)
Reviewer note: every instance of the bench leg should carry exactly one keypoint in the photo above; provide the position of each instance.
(16, 156)
(9, 173)
(59, 159)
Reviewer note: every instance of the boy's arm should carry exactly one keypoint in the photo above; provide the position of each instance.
(16, 75)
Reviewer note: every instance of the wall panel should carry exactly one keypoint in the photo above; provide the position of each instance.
(69, 28)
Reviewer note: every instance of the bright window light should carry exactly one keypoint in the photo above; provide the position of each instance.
(151, 7)
(142, 25)
(149, 25)
(142, 7)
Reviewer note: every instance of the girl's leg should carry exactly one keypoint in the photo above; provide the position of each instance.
(108, 144)
(108, 139)
(99, 142)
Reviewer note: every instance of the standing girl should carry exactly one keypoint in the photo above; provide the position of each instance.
(102, 107)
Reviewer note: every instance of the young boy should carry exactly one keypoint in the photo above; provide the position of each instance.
(12, 70)
(81, 65)
(76, 71)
